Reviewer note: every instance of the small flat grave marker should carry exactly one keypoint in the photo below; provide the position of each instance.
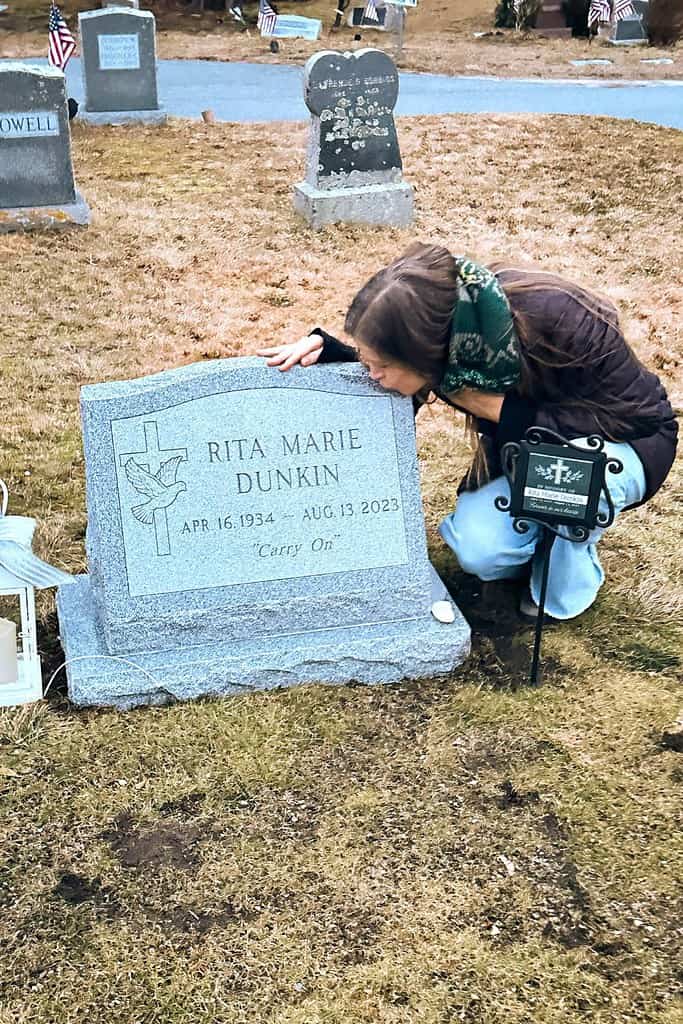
(248, 528)
(37, 187)
(119, 67)
(354, 167)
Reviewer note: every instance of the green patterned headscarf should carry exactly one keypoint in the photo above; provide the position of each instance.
(483, 352)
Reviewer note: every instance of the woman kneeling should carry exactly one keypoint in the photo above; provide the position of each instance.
(511, 348)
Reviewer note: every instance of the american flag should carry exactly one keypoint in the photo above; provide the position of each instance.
(599, 10)
(370, 12)
(267, 18)
(622, 9)
(61, 44)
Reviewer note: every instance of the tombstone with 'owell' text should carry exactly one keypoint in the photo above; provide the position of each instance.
(37, 187)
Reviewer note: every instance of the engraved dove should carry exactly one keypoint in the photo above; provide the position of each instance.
(162, 489)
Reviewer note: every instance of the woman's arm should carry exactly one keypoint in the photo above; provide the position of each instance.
(316, 347)
(334, 350)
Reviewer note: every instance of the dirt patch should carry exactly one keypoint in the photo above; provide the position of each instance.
(187, 806)
(163, 845)
(511, 797)
(194, 921)
(77, 891)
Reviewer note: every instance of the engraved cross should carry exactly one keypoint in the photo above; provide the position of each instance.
(154, 456)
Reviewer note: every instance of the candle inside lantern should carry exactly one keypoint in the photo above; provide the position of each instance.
(9, 668)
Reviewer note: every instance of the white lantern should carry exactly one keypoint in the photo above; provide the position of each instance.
(20, 573)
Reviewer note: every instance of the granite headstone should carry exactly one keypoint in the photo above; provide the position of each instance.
(118, 50)
(36, 173)
(250, 529)
(354, 167)
(122, 3)
(631, 29)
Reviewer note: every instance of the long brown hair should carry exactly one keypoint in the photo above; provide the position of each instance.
(405, 313)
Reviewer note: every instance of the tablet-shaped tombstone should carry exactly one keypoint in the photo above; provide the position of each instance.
(119, 65)
(250, 529)
(354, 167)
(36, 174)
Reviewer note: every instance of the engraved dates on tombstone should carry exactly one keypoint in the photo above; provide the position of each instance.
(221, 491)
(354, 96)
(118, 52)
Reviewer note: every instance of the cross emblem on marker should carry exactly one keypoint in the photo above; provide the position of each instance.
(154, 456)
(559, 468)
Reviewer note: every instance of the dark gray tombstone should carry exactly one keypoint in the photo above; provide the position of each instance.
(631, 30)
(36, 174)
(118, 51)
(354, 167)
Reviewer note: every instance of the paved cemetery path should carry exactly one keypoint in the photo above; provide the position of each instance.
(271, 92)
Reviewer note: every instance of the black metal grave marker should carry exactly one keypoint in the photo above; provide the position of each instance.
(557, 485)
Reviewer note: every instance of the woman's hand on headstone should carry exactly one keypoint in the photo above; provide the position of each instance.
(304, 352)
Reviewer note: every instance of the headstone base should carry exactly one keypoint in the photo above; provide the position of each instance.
(103, 117)
(369, 204)
(40, 218)
(384, 653)
(628, 42)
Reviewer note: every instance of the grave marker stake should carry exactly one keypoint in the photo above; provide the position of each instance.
(547, 546)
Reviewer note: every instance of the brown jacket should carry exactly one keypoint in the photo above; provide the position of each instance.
(613, 372)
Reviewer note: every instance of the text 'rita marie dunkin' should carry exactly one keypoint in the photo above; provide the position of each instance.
(242, 450)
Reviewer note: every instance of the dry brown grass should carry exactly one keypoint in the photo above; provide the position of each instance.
(439, 39)
(333, 856)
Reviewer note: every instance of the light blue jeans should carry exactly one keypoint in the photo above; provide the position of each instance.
(487, 546)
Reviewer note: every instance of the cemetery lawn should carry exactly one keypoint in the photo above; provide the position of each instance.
(439, 38)
(459, 849)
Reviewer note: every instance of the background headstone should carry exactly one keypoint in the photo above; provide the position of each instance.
(248, 528)
(122, 3)
(36, 173)
(551, 20)
(118, 53)
(632, 29)
(354, 168)
(294, 26)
